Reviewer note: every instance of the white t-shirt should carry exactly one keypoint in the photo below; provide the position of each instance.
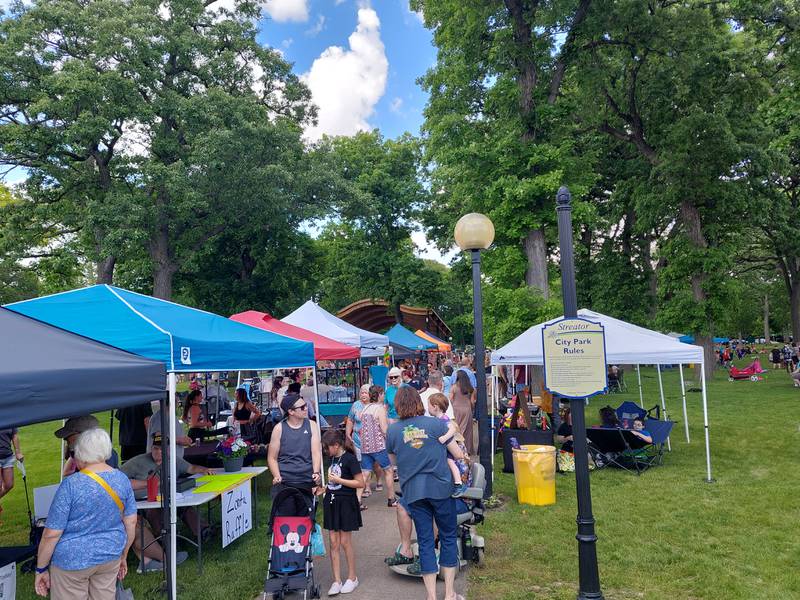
(430, 392)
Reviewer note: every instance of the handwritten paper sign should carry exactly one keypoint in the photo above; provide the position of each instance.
(8, 581)
(574, 358)
(237, 513)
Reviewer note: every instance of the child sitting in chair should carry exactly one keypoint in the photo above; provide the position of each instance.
(640, 432)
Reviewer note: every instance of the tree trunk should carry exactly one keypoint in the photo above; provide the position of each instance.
(795, 310)
(766, 318)
(164, 267)
(105, 269)
(536, 251)
(694, 231)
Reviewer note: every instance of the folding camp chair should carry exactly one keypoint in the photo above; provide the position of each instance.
(621, 448)
(628, 411)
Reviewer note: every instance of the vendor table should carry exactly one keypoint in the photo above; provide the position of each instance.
(190, 498)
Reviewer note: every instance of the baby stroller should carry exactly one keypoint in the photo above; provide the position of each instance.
(290, 567)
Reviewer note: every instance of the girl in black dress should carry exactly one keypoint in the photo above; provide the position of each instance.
(341, 512)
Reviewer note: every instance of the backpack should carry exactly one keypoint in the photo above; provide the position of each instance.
(372, 438)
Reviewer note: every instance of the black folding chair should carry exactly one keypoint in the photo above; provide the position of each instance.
(621, 448)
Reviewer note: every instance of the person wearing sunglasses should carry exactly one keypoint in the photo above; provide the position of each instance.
(295, 453)
(394, 382)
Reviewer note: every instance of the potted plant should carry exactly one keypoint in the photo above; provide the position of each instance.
(232, 451)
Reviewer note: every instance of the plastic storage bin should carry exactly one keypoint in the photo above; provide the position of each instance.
(535, 474)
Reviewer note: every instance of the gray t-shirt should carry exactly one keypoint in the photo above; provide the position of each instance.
(421, 458)
(142, 466)
(6, 447)
(155, 427)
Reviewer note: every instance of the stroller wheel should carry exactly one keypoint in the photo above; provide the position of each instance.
(316, 593)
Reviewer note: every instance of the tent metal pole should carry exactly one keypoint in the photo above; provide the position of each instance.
(494, 410)
(63, 452)
(639, 374)
(173, 510)
(663, 404)
(239, 378)
(683, 396)
(705, 424)
(316, 411)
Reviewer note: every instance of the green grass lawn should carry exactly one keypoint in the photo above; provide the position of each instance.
(664, 535)
(667, 534)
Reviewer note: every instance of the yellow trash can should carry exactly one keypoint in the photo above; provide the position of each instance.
(535, 474)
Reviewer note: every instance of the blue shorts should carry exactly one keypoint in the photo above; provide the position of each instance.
(8, 463)
(382, 458)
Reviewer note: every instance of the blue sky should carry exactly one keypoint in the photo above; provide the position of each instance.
(361, 60)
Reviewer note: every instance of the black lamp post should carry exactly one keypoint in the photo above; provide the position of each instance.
(475, 232)
(588, 576)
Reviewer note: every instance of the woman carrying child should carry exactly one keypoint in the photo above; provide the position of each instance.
(341, 513)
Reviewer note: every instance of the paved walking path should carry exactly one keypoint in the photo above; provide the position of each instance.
(373, 542)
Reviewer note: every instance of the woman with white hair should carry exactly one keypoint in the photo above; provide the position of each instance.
(90, 527)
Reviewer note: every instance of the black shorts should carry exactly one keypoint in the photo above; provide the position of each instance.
(341, 512)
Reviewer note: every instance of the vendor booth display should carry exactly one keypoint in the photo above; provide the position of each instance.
(399, 335)
(441, 345)
(626, 343)
(46, 374)
(183, 339)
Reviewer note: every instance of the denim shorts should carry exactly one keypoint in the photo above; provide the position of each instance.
(8, 462)
(382, 458)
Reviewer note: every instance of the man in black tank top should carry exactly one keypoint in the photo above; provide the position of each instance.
(295, 453)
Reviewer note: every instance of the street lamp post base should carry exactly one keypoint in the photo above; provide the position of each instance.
(590, 596)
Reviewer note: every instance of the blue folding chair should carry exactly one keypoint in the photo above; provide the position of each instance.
(621, 448)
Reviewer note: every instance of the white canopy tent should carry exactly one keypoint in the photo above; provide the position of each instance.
(626, 344)
(313, 317)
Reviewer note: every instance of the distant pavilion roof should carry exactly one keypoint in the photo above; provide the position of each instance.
(378, 315)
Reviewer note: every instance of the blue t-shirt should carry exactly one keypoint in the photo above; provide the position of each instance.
(355, 416)
(421, 458)
(391, 392)
(93, 532)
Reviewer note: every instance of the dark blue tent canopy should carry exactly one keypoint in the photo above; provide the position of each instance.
(184, 339)
(399, 335)
(47, 373)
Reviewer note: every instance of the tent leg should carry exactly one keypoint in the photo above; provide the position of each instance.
(705, 424)
(239, 378)
(683, 396)
(639, 374)
(494, 405)
(172, 593)
(663, 404)
(316, 410)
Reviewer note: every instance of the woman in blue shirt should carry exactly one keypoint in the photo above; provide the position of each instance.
(427, 486)
(90, 527)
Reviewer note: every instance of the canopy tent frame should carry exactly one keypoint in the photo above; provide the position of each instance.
(655, 348)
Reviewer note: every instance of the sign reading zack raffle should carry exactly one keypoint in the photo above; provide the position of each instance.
(574, 358)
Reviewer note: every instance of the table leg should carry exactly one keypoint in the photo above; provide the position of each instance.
(199, 545)
(141, 539)
(255, 503)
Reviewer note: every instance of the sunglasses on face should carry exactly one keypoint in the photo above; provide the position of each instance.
(301, 407)
(395, 377)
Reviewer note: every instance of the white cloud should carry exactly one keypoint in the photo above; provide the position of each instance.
(287, 42)
(287, 10)
(338, 2)
(396, 105)
(427, 249)
(318, 26)
(347, 84)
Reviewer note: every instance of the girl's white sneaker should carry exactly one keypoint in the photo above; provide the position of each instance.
(336, 587)
(349, 586)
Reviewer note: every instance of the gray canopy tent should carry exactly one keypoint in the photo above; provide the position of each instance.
(47, 373)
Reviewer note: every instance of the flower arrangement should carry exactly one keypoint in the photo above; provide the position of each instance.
(232, 447)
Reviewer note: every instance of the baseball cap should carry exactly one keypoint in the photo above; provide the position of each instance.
(75, 425)
(395, 372)
(289, 399)
(157, 438)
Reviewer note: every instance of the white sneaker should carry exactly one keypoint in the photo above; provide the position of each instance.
(336, 587)
(349, 586)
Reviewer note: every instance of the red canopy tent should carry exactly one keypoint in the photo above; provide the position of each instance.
(324, 348)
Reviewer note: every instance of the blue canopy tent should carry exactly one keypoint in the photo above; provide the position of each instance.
(184, 339)
(400, 336)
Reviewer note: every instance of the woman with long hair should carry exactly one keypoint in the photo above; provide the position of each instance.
(462, 397)
(194, 416)
(374, 425)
